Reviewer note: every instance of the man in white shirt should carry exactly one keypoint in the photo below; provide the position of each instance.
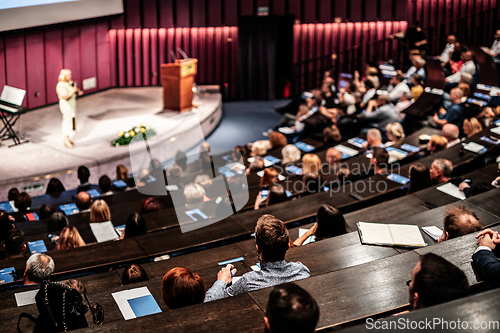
(418, 68)
(468, 67)
(397, 87)
(450, 47)
(494, 51)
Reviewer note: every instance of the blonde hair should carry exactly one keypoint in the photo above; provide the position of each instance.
(121, 173)
(62, 75)
(312, 164)
(99, 212)
(396, 130)
(474, 126)
(290, 153)
(194, 193)
(438, 143)
(69, 239)
(260, 147)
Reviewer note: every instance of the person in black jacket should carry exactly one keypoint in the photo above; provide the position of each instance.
(485, 261)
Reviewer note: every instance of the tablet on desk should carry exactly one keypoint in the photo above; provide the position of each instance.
(37, 247)
(94, 193)
(120, 183)
(294, 169)
(31, 217)
(7, 206)
(196, 215)
(69, 209)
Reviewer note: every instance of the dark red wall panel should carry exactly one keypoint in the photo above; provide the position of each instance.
(231, 13)
(121, 73)
(88, 53)
(146, 72)
(16, 63)
(137, 57)
(2, 62)
(385, 10)
(340, 9)
(356, 10)
(166, 14)
(294, 8)
(155, 70)
(246, 7)
(105, 63)
(35, 70)
(199, 13)
(71, 52)
(181, 18)
(132, 13)
(278, 7)
(149, 14)
(129, 59)
(53, 62)
(309, 12)
(215, 13)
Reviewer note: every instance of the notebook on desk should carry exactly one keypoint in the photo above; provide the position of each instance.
(400, 235)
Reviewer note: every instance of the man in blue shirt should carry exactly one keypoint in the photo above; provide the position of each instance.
(455, 113)
(272, 242)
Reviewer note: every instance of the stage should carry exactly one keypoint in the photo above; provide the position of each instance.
(100, 117)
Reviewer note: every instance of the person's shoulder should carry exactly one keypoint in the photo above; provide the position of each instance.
(298, 265)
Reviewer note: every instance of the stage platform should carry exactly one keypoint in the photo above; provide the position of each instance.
(100, 117)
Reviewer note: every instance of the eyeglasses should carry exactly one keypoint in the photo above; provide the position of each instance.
(96, 310)
(408, 282)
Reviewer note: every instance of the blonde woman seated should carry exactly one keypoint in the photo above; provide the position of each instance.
(436, 144)
(194, 193)
(69, 239)
(290, 153)
(472, 126)
(394, 132)
(311, 163)
(99, 212)
(260, 147)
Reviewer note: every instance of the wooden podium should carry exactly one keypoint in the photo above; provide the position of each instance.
(177, 80)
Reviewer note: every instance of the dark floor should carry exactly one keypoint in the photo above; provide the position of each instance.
(244, 122)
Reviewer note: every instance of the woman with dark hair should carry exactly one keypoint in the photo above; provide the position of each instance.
(54, 186)
(419, 177)
(134, 226)
(46, 211)
(23, 201)
(330, 223)
(13, 193)
(134, 273)
(150, 205)
(57, 222)
(6, 224)
(181, 287)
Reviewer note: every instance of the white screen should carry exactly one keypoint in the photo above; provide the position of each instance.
(20, 14)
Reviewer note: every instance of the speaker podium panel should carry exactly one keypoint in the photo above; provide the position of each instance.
(177, 81)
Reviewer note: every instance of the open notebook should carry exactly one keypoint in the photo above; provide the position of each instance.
(401, 235)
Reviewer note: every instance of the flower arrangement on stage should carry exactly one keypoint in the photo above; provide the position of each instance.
(127, 136)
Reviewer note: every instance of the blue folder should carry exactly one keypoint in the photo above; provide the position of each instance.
(37, 247)
(69, 209)
(7, 275)
(144, 306)
(398, 179)
(94, 193)
(304, 146)
(411, 148)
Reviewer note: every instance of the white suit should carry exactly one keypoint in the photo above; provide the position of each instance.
(67, 107)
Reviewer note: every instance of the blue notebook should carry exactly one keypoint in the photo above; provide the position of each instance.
(389, 149)
(357, 142)
(398, 179)
(272, 159)
(304, 146)
(196, 214)
(37, 247)
(6, 206)
(119, 183)
(94, 193)
(69, 209)
(7, 275)
(144, 306)
(411, 148)
(294, 169)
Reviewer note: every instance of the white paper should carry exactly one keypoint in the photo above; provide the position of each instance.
(104, 231)
(250, 159)
(375, 233)
(346, 150)
(407, 235)
(496, 130)
(122, 297)
(473, 147)
(267, 163)
(281, 178)
(255, 268)
(89, 83)
(13, 95)
(26, 297)
(235, 278)
(433, 232)
(260, 173)
(452, 190)
(308, 240)
(286, 130)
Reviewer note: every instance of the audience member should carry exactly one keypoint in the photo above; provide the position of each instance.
(174, 174)
(417, 68)
(135, 226)
(83, 201)
(83, 175)
(311, 163)
(134, 273)
(331, 135)
(451, 133)
(435, 280)
(459, 221)
(373, 139)
(54, 186)
(485, 260)
(23, 201)
(15, 244)
(420, 178)
(312, 183)
(256, 165)
(269, 177)
(330, 222)
(494, 50)
(46, 211)
(277, 140)
(99, 212)
(290, 153)
(39, 267)
(380, 113)
(181, 160)
(57, 222)
(379, 160)
(272, 242)
(474, 189)
(69, 238)
(417, 83)
(404, 102)
(275, 194)
(333, 158)
(122, 173)
(394, 132)
(347, 95)
(397, 87)
(181, 287)
(150, 205)
(370, 93)
(436, 144)
(260, 147)
(448, 49)
(194, 193)
(290, 309)
(105, 185)
(13, 193)
(441, 171)
(6, 224)
(468, 67)
(472, 126)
